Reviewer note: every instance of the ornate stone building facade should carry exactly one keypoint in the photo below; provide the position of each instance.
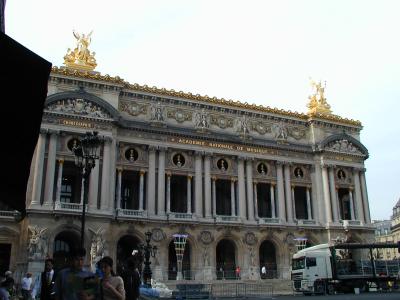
(243, 181)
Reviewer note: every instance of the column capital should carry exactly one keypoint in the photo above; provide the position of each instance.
(207, 154)
(61, 160)
(120, 169)
(279, 163)
(152, 148)
(213, 178)
(241, 158)
(358, 169)
(273, 183)
(351, 188)
(199, 153)
(163, 148)
(233, 179)
(53, 131)
(169, 174)
(142, 172)
(107, 139)
(308, 187)
(190, 176)
(255, 182)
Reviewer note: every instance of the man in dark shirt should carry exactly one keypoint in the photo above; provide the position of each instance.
(47, 280)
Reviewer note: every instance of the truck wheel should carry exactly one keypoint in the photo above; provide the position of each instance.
(319, 288)
(330, 289)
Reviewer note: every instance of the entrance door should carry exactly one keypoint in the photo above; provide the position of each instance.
(5, 254)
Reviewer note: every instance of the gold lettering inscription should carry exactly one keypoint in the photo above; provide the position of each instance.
(77, 123)
(225, 146)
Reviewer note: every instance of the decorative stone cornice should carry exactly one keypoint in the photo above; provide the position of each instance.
(189, 96)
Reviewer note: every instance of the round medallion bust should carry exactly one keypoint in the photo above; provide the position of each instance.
(250, 238)
(206, 237)
(157, 234)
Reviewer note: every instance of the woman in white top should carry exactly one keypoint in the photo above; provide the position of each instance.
(112, 287)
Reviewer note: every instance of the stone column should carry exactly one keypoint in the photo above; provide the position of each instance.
(351, 204)
(141, 189)
(105, 176)
(309, 215)
(288, 194)
(207, 186)
(161, 183)
(318, 207)
(112, 176)
(151, 184)
(326, 193)
(50, 170)
(119, 187)
(241, 189)
(214, 196)
(233, 197)
(272, 194)
(364, 193)
(93, 193)
(168, 192)
(281, 195)
(198, 186)
(189, 194)
(294, 204)
(38, 170)
(249, 181)
(59, 179)
(256, 216)
(357, 195)
(334, 199)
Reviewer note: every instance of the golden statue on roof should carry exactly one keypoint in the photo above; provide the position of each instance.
(318, 104)
(81, 57)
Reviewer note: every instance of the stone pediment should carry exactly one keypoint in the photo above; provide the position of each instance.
(343, 144)
(80, 103)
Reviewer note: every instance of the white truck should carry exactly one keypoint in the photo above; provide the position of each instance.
(327, 268)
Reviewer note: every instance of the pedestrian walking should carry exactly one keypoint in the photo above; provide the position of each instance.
(26, 286)
(7, 286)
(112, 286)
(75, 283)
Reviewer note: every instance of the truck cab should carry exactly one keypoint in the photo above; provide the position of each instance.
(311, 269)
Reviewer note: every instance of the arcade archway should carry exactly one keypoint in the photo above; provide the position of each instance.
(268, 260)
(125, 247)
(64, 242)
(226, 259)
(173, 266)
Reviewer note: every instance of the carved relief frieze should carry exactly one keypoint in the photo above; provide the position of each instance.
(79, 106)
(296, 133)
(261, 127)
(132, 108)
(157, 113)
(221, 121)
(179, 115)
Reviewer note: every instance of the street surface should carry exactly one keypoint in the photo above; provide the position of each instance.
(368, 296)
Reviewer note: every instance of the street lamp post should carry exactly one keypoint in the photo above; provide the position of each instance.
(86, 153)
(148, 250)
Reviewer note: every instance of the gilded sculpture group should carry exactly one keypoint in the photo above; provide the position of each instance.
(81, 57)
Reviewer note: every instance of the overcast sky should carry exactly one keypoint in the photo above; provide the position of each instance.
(259, 52)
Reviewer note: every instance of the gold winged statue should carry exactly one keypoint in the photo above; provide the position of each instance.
(81, 57)
(318, 104)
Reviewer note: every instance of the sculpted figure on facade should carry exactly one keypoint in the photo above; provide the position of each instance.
(98, 245)
(252, 257)
(37, 247)
(206, 257)
(242, 126)
(202, 119)
(81, 57)
(280, 131)
(157, 112)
